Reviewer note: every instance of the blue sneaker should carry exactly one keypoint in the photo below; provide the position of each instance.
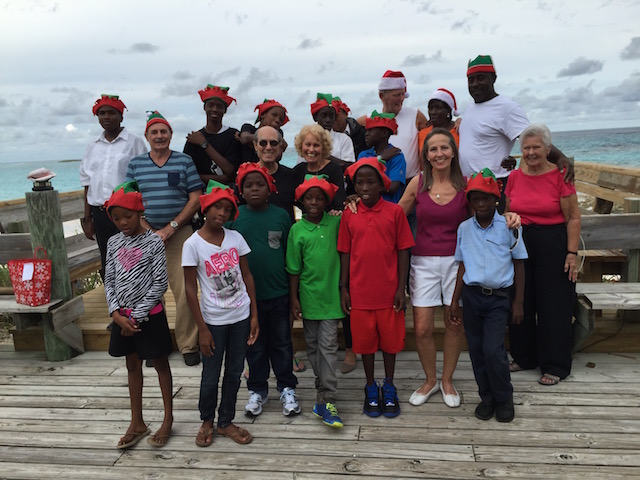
(319, 409)
(390, 407)
(331, 417)
(372, 400)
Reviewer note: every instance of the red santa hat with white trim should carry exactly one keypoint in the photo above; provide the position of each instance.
(393, 80)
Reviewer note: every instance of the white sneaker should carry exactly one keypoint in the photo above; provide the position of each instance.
(289, 401)
(255, 403)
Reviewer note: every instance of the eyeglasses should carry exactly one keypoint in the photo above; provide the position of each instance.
(273, 143)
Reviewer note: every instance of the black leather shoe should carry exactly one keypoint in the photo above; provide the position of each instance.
(191, 359)
(484, 411)
(505, 411)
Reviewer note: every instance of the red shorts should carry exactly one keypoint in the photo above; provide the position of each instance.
(374, 330)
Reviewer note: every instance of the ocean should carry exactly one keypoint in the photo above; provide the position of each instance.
(611, 146)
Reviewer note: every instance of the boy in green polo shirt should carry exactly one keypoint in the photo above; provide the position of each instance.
(313, 264)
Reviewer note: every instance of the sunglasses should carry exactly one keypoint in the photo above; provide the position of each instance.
(273, 143)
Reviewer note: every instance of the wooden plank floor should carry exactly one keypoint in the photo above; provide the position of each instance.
(63, 420)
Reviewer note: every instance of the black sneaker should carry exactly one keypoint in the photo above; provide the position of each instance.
(485, 411)
(372, 405)
(505, 411)
(191, 359)
(390, 405)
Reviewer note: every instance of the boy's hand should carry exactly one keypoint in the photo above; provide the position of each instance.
(389, 153)
(455, 313)
(517, 313)
(127, 328)
(205, 340)
(399, 300)
(345, 300)
(255, 331)
(296, 310)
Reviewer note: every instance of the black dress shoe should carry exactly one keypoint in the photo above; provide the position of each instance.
(191, 359)
(505, 411)
(485, 410)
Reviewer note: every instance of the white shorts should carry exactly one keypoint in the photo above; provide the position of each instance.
(432, 280)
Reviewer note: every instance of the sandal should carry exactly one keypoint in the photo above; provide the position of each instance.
(235, 433)
(514, 367)
(135, 438)
(548, 379)
(205, 436)
(298, 366)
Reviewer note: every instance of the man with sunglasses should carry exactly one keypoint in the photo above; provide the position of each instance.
(268, 144)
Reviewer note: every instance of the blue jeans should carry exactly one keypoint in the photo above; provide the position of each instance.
(231, 339)
(273, 347)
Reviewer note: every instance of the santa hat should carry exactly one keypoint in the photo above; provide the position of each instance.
(249, 167)
(110, 101)
(392, 80)
(217, 191)
(483, 181)
(319, 181)
(384, 120)
(322, 100)
(482, 63)
(447, 97)
(268, 105)
(155, 117)
(215, 91)
(378, 165)
(126, 195)
(340, 105)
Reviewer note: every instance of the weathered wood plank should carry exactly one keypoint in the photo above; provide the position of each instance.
(563, 456)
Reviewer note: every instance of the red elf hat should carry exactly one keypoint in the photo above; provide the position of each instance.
(110, 101)
(385, 120)
(340, 105)
(319, 181)
(126, 195)
(155, 117)
(322, 100)
(378, 165)
(483, 181)
(268, 105)
(249, 167)
(217, 191)
(393, 80)
(211, 91)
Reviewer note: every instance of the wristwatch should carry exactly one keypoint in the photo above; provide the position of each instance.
(204, 145)
(173, 224)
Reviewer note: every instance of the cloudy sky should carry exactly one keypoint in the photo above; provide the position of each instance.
(572, 64)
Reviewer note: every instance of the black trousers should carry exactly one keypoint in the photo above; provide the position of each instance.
(544, 338)
(103, 229)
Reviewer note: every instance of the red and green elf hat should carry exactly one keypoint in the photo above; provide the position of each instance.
(249, 167)
(393, 80)
(109, 101)
(483, 181)
(155, 117)
(126, 195)
(482, 63)
(217, 191)
(340, 105)
(322, 100)
(319, 181)
(215, 91)
(268, 105)
(384, 120)
(378, 165)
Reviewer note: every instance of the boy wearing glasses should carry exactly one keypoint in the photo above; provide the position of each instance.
(491, 264)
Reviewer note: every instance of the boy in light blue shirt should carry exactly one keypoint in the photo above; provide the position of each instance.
(491, 268)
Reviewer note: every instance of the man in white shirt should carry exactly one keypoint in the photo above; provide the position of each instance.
(104, 167)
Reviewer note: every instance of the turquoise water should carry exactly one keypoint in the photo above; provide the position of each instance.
(613, 146)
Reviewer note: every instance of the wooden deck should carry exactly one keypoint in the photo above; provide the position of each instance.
(63, 420)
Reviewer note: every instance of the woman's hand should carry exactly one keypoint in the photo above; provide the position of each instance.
(351, 202)
(513, 220)
(570, 266)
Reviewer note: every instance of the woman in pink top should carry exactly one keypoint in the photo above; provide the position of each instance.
(550, 216)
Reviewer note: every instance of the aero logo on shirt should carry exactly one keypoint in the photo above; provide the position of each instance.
(221, 262)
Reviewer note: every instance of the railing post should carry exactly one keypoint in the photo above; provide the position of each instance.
(632, 267)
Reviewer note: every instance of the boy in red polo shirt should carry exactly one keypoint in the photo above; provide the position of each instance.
(374, 246)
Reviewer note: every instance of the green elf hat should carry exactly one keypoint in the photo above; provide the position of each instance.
(155, 117)
(482, 63)
(216, 91)
(322, 100)
(483, 181)
(217, 191)
(379, 166)
(340, 105)
(267, 105)
(126, 195)
(384, 120)
(109, 101)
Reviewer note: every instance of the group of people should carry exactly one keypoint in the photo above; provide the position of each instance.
(386, 198)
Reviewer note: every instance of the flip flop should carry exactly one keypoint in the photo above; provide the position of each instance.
(205, 433)
(514, 367)
(137, 436)
(298, 366)
(237, 434)
(158, 441)
(548, 379)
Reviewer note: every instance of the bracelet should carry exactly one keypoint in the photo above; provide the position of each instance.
(573, 253)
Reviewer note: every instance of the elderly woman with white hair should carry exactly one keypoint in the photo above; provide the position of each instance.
(550, 216)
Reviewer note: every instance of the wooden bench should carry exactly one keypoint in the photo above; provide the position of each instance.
(608, 184)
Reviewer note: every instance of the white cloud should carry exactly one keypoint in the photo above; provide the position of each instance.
(70, 128)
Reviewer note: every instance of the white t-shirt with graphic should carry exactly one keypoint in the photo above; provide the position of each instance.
(224, 299)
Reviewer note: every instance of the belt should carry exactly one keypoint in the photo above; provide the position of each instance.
(496, 292)
(126, 312)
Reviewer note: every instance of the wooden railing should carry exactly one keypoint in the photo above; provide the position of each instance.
(608, 184)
